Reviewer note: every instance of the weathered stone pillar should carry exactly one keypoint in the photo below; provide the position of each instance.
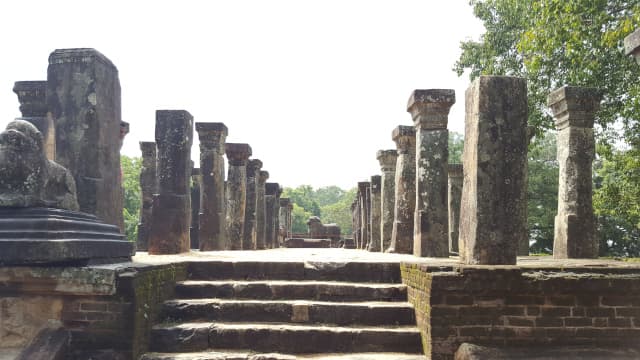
(237, 158)
(365, 204)
(574, 109)
(261, 209)
(290, 220)
(355, 221)
(276, 218)
(455, 195)
(494, 196)
(387, 159)
(405, 186)
(271, 189)
(196, 189)
(148, 187)
(83, 99)
(250, 229)
(171, 209)
(283, 219)
(632, 45)
(374, 218)
(32, 96)
(430, 111)
(211, 219)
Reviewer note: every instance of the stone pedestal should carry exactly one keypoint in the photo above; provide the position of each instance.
(430, 110)
(212, 232)
(493, 210)
(365, 205)
(250, 235)
(455, 195)
(574, 109)
(196, 186)
(375, 212)
(32, 96)
(271, 190)
(405, 186)
(171, 209)
(237, 158)
(261, 210)
(148, 187)
(83, 99)
(387, 159)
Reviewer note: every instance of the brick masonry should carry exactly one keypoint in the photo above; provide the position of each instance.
(514, 306)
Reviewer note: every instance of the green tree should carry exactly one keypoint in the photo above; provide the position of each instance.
(131, 183)
(303, 196)
(327, 195)
(456, 145)
(339, 212)
(299, 219)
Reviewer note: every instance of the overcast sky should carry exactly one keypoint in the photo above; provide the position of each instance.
(315, 87)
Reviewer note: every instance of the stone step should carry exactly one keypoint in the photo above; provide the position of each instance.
(296, 339)
(232, 355)
(282, 311)
(385, 272)
(291, 290)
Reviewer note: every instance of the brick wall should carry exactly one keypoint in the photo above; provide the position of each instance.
(511, 306)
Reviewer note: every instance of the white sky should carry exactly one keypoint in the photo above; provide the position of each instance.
(315, 87)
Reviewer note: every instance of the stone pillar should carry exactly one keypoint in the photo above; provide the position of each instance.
(429, 110)
(387, 159)
(271, 189)
(250, 229)
(171, 209)
(290, 220)
(455, 195)
(148, 187)
(365, 204)
(276, 218)
(355, 226)
(196, 189)
(632, 45)
(284, 209)
(494, 195)
(211, 219)
(375, 214)
(405, 187)
(574, 110)
(237, 158)
(32, 96)
(83, 101)
(261, 209)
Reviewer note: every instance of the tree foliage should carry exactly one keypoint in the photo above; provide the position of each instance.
(331, 204)
(456, 144)
(131, 183)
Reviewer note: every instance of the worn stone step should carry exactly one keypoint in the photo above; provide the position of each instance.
(296, 311)
(291, 290)
(296, 339)
(232, 355)
(386, 272)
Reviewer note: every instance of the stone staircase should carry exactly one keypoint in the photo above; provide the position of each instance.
(288, 310)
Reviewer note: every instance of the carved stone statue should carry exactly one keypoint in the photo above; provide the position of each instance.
(27, 177)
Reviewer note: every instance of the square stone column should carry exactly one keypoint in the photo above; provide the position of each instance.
(405, 185)
(494, 195)
(276, 218)
(32, 96)
(365, 204)
(271, 190)
(250, 229)
(355, 221)
(83, 101)
(148, 187)
(261, 210)
(196, 186)
(283, 219)
(237, 158)
(375, 212)
(387, 159)
(171, 209)
(574, 109)
(429, 110)
(211, 219)
(455, 195)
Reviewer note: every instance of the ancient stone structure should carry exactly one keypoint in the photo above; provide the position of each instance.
(405, 190)
(276, 217)
(83, 100)
(387, 159)
(318, 230)
(148, 187)
(364, 193)
(261, 209)
(171, 208)
(196, 188)
(574, 109)
(375, 213)
(250, 235)
(355, 221)
(430, 110)
(271, 190)
(237, 158)
(493, 210)
(632, 45)
(212, 232)
(455, 196)
(33, 106)
(285, 219)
